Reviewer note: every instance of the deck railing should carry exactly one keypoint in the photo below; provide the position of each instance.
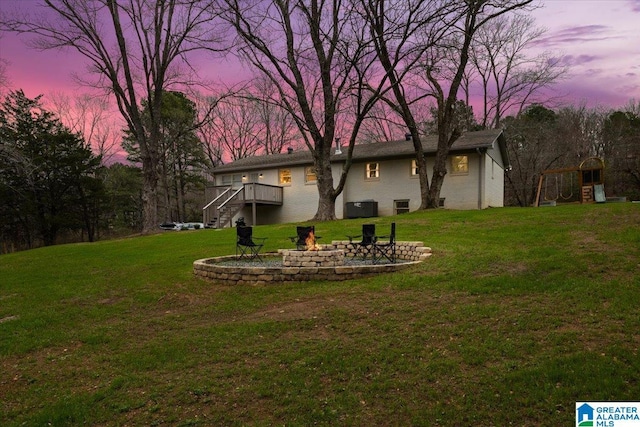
(263, 193)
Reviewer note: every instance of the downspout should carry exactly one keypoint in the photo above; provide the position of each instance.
(480, 177)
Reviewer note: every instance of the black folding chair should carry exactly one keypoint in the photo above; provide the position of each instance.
(246, 246)
(364, 247)
(306, 236)
(385, 249)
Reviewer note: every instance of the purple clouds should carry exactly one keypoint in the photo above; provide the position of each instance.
(574, 60)
(578, 34)
(598, 42)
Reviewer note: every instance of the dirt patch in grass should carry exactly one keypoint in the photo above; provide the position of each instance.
(8, 319)
(309, 308)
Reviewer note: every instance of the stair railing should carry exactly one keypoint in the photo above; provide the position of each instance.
(224, 204)
(206, 216)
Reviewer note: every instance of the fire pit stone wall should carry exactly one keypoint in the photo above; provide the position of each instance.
(323, 257)
(408, 253)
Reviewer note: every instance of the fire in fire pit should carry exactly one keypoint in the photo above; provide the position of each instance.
(306, 238)
(310, 242)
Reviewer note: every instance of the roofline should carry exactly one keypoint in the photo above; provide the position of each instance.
(334, 160)
(304, 158)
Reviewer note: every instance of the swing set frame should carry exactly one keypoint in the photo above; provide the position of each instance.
(590, 181)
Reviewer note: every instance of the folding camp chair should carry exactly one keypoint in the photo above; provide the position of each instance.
(246, 246)
(364, 247)
(385, 249)
(305, 238)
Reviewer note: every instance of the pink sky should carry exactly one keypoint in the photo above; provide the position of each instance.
(598, 39)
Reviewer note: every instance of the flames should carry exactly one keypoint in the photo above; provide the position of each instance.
(310, 241)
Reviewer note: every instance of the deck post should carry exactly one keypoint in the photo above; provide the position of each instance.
(253, 206)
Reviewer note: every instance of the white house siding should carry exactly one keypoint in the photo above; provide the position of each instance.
(395, 183)
(461, 190)
(494, 180)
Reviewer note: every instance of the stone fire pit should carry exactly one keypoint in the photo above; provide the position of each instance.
(315, 258)
(223, 270)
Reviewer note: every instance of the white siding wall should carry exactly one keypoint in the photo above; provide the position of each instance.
(395, 183)
(494, 180)
(461, 190)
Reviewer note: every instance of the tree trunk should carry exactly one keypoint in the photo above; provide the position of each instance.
(149, 195)
(439, 172)
(326, 193)
(423, 176)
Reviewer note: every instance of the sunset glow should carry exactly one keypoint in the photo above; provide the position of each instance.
(599, 40)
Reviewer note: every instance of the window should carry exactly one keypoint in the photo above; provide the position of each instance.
(310, 174)
(414, 168)
(232, 180)
(401, 206)
(372, 171)
(459, 165)
(284, 176)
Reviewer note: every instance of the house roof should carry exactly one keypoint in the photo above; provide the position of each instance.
(469, 141)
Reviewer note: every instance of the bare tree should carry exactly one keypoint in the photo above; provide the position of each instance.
(91, 117)
(244, 122)
(276, 128)
(134, 49)
(206, 130)
(580, 130)
(4, 79)
(317, 57)
(633, 107)
(434, 38)
(510, 79)
(403, 32)
(382, 124)
(447, 62)
(533, 147)
(443, 58)
(235, 124)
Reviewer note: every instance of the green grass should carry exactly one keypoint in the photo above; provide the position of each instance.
(517, 315)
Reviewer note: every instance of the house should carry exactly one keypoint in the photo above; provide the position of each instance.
(282, 188)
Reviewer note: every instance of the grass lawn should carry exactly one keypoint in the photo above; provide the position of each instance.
(518, 314)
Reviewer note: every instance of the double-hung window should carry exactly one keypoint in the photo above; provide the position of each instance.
(284, 176)
(234, 180)
(310, 174)
(372, 170)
